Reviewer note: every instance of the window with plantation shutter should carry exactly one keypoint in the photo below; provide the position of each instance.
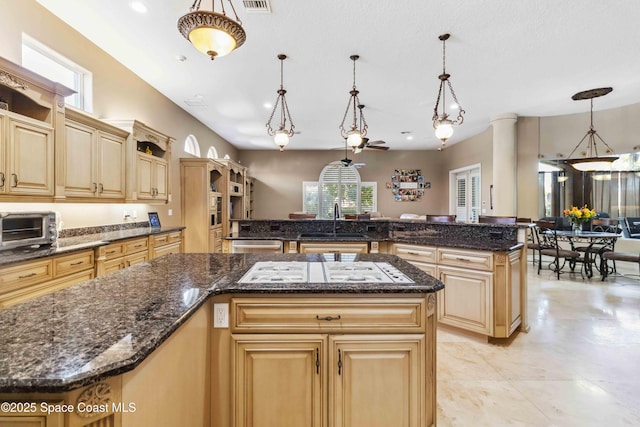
(341, 185)
(465, 193)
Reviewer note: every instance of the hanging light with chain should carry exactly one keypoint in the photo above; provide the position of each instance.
(282, 134)
(442, 124)
(212, 33)
(354, 134)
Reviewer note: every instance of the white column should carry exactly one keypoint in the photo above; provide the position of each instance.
(504, 164)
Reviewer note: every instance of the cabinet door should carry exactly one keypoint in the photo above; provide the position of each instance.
(377, 380)
(30, 159)
(279, 380)
(161, 176)
(79, 161)
(110, 175)
(4, 178)
(145, 168)
(467, 299)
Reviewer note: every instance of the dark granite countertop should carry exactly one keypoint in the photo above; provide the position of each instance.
(109, 325)
(77, 243)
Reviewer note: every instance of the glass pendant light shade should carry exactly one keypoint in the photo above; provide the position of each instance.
(444, 129)
(354, 138)
(212, 33)
(282, 135)
(212, 41)
(281, 138)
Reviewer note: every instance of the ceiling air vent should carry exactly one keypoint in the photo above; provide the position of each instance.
(257, 6)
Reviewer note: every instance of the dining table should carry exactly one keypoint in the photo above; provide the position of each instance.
(593, 243)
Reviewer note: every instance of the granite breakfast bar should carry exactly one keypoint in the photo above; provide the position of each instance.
(137, 347)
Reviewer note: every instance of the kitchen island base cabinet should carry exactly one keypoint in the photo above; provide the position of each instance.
(288, 363)
(169, 388)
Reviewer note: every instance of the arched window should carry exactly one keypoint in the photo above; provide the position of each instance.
(212, 153)
(191, 146)
(341, 185)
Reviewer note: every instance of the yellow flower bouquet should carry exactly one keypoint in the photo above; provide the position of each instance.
(579, 216)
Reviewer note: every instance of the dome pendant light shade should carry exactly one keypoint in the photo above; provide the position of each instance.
(592, 162)
(442, 124)
(354, 134)
(212, 33)
(282, 135)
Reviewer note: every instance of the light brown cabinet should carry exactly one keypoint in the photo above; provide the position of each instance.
(94, 162)
(328, 361)
(333, 247)
(203, 204)
(29, 130)
(147, 160)
(28, 168)
(482, 288)
(23, 281)
(164, 244)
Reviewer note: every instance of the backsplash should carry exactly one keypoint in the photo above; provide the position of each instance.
(75, 232)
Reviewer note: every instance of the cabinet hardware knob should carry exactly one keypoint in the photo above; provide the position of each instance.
(101, 188)
(329, 318)
(317, 361)
(15, 179)
(339, 362)
(28, 275)
(413, 253)
(1, 179)
(462, 259)
(111, 252)
(95, 187)
(76, 263)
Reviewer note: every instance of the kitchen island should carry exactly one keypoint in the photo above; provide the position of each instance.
(137, 347)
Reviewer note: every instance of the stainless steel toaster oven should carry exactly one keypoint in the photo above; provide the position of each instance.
(18, 229)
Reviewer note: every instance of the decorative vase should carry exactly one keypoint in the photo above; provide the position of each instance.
(576, 228)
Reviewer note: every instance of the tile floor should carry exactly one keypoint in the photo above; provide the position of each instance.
(578, 366)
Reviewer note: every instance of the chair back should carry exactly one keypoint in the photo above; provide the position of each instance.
(441, 218)
(486, 219)
(301, 215)
(545, 234)
(606, 225)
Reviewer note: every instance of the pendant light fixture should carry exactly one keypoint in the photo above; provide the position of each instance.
(442, 124)
(212, 33)
(592, 162)
(282, 134)
(354, 134)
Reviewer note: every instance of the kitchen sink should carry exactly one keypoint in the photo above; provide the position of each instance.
(331, 235)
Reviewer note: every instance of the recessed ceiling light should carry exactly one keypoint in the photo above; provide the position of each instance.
(409, 137)
(267, 105)
(454, 106)
(181, 58)
(138, 6)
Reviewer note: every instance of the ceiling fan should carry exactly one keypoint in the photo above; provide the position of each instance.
(366, 144)
(346, 162)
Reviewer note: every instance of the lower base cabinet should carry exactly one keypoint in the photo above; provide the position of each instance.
(290, 365)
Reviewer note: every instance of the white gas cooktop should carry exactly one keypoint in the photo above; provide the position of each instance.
(324, 272)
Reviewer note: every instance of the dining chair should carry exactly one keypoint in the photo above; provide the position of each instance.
(598, 248)
(487, 219)
(548, 239)
(441, 218)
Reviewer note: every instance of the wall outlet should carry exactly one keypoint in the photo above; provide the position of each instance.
(221, 315)
(170, 212)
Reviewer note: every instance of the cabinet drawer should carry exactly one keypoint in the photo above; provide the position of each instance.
(478, 260)
(114, 250)
(334, 248)
(137, 245)
(134, 259)
(328, 314)
(26, 274)
(167, 249)
(415, 252)
(177, 236)
(160, 240)
(65, 265)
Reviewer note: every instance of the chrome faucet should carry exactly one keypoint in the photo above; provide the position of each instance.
(336, 214)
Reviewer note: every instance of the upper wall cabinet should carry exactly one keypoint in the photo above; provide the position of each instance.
(31, 122)
(148, 160)
(93, 165)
